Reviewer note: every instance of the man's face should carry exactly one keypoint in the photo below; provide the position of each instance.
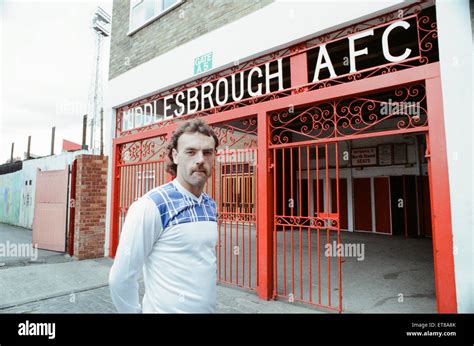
(194, 158)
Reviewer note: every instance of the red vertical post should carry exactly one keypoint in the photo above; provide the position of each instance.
(275, 250)
(339, 266)
(218, 199)
(440, 201)
(300, 215)
(298, 66)
(283, 213)
(327, 211)
(308, 203)
(318, 228)
(238, 199)
(249, 211)
(225, 197)
(242, 211)
(264, 210)
(113, 242)
(292, 198)
(231, 210)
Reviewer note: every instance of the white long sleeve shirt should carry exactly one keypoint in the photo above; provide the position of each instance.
(171, 235)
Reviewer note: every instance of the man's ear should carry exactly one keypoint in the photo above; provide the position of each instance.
(175, 154)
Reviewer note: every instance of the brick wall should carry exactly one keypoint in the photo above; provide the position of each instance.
(91, 200)
(189, 20)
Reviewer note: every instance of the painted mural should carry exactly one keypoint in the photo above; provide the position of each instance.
(10, 197)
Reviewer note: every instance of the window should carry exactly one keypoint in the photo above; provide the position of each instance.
(238, 188)
(143, 12)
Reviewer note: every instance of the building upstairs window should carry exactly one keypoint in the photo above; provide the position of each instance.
(142, 12)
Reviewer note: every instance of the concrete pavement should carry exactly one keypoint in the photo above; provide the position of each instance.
(21, 285)
(81, 287)
(55, 283)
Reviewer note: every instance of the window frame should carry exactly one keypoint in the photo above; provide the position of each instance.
(131, 30)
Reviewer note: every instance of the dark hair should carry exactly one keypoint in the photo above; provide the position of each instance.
(191, 126)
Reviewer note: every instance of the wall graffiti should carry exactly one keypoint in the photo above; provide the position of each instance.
(10, 196)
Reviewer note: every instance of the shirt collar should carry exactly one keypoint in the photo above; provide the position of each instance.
(185, 191)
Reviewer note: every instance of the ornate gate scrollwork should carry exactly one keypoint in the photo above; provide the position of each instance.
(398, 109)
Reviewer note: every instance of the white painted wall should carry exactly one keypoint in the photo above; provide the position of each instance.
(456, 58)
(30, 167)
(272, 27)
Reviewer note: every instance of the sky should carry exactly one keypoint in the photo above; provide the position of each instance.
(47, 54)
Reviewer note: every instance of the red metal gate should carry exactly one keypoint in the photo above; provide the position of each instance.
(306, 235)
(136, 180)
(305, 160)
(233, 187)
(140, 169)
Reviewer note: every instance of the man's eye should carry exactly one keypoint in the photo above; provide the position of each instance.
(190, 152)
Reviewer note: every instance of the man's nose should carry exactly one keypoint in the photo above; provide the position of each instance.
(199, 157)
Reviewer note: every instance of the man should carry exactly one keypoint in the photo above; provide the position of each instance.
(171, 233)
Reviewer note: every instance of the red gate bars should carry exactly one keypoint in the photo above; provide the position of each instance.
(233, 186)
(297, 209)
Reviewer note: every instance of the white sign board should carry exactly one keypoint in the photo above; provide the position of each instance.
(364, 157)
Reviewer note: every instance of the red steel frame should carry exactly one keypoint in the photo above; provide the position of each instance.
(429, 74)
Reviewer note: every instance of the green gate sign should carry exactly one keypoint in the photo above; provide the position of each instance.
(203, 63)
